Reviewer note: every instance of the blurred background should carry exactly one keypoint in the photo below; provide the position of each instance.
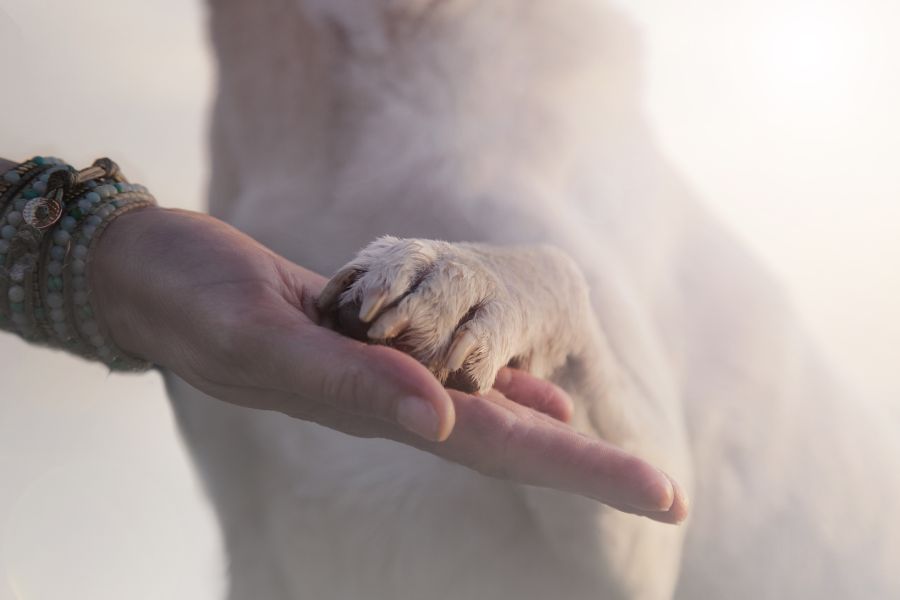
(783, 114)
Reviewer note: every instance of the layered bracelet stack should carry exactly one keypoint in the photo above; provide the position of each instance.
(51, 217)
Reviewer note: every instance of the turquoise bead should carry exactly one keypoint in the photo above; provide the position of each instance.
(54, 267)
(12, 177)
(7, 232)
(90, 328)
(17, 307)
(68, 223)
(39, 161)
(61, 238)
(16, 294)
(54, 300)
(30, 193)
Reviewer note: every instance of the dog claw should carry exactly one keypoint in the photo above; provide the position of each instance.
(337, 284)
(371, 304)
(462, 346)
(388, 325)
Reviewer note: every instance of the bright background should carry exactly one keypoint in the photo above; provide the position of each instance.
(783, 114)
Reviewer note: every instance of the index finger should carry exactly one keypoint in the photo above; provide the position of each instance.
(500, 438)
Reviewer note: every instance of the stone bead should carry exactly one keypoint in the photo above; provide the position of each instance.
(78, 266)
(79, 283)
(17, 307)
(54, 300)
(7, 232)
(55, 268)
(19, 318)
(16, 293)
(57, 314)
(98, 340)
(80, 251)
(57, 252)
(90, 328)
(93, 220)
(61, 329)
(84, 204)
(14, 218)
(68, 223)
(39, 186)
(88, 231)
(20, 204)
(61, 238)
(11, 177)
(55, 284)
(92, 197)
(80, 297)
(17, 274)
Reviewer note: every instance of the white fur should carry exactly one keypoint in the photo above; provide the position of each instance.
(512, 122)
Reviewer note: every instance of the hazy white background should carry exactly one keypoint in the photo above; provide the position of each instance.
(783, 114)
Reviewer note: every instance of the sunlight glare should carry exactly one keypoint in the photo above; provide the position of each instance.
(811, 58)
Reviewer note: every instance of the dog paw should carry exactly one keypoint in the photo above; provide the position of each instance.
(447, 305)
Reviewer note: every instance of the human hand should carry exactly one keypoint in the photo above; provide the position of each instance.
(238, 322)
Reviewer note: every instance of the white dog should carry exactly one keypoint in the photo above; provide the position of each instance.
(510, 124)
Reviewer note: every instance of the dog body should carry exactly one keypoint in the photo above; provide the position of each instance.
(508, 123)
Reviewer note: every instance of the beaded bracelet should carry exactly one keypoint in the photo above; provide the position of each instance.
(57, 217)
(22, 184)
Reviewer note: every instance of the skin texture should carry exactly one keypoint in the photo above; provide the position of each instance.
(238, 322)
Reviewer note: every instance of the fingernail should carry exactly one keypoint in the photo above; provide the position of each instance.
(418, 416)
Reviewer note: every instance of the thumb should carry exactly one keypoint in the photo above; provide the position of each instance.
(375, 381)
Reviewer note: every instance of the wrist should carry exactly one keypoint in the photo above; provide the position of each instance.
(117, 275)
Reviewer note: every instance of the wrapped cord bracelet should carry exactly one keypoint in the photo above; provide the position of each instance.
(53, 217)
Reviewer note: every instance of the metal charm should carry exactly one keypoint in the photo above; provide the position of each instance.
(42, 213)
(45, 212)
